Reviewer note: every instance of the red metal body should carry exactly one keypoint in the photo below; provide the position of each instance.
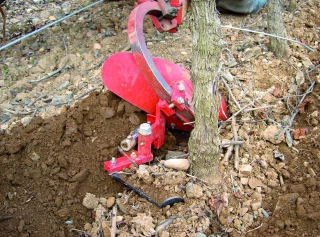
(161, 88)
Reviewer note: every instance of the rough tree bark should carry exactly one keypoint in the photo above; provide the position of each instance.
(275, 25)
(207, 44)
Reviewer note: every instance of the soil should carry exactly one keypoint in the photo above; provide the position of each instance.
(56, 133)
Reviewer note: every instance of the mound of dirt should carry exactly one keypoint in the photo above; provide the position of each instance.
(49, 165)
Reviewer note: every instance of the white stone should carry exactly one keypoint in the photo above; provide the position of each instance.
(245, 169)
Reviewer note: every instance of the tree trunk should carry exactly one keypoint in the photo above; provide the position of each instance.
(275, 26)
(206, 49)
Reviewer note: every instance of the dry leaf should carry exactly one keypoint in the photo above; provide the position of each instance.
(303, 105)
(238, 194)
(215, 204)
(300, 133)
(277, 92)
(261, 114)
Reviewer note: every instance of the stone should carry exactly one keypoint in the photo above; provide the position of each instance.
(255, 206)
(271, 132)
(61, 99)
(81, 176)
(237, 224)
(243, 211)
(90, 201)
(198, 234)
(107, 112)
(73, 189)
(97, 46)
(247, 219)
(244, 181)
(103, 201)
(254, 182)
(110, 202)
(63, 85)
(26, 121)
(194, 190)
(34, 156)
(245, 169)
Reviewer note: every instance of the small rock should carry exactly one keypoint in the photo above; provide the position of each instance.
(52, 18)
(194, 190)
(97, 46)
(88, 227)
(253, 183)
(90, 201)
(237, 224)
(73, 189)
(58, 201)
(110, 202)
(26, 121)
(34, 156)
(134, 119)
(60, 99)
(198, 234)
(243, 211)
(263, 164)
(255, 206)
(177, 164)
(107, 112)
(311, 172)
(103, 201)
(63, 85)
(244, 181)
(270, 134)
(247, 219)
(121, 206)
(245, 169)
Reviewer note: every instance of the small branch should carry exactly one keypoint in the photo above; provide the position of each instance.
(113, 221)
(228, 155)
(39, 98)
(236, 147)
(56, 71)
(203, 181)
(2, 218)
(86, 93)
(230, 92)
(262, 107)
(17, 112)
(255, 228)
(310, 89)
(247, 105)
(228, 143)
(271, 35)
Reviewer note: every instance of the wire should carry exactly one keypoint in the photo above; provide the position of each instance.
(48, 25)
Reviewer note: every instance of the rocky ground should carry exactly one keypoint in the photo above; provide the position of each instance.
(59, 124)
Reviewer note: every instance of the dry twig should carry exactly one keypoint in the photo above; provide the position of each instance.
(113, 221)
(56, 71)
(236, 147)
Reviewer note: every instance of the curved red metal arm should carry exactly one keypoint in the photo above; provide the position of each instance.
(144, 60)
(140, 50)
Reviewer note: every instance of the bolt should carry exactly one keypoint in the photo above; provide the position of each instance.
(113, 161)
(145, 129)
(171, 106)
(133, 154)
(181, 87)
(180, 100)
